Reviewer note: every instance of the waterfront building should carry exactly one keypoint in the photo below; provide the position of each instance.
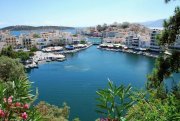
(46, 35)
(8, 39)
(129, 39)
(4, 35)
(153, 41)
(97, 34)
(12, 41)
(144, 40)
(1, 36)
(75, 42)
(135, 42)
(111, 34)
(120, 34)
(113, 40)
(54, 40)
(41, 43)
(177, 42)
(28, 42)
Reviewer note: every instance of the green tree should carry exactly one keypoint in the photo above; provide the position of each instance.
(105, 26)
(75, 35)
(8, 51)
(125, 25)
(159, 103)
(23, 55)
(36, 36)
(33, 49)
(166, 65)
(153, 108)
(10, 69)
(99, 28)
(82, 42)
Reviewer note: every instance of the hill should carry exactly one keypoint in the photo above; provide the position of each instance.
(156, 23)
(24, 27)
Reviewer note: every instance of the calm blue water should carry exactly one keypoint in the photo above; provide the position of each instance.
(76, 80)
(95, 40)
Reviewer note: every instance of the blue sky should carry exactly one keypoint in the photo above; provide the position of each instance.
(81, 13)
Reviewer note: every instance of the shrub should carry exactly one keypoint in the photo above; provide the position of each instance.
(114, 102)
(15, 101)
(10, 69)
(53, 113)
(153, 108)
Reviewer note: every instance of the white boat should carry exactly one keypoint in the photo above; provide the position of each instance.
(51, 49)
(61, 59)
(48, 60)
(33, 65)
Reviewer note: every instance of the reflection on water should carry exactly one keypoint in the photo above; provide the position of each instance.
(76, 68)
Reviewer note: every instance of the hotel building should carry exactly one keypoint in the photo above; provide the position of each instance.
(153, 41)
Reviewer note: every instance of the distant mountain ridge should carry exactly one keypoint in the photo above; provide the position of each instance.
(24, 27)
(149, 24)
(156, 23)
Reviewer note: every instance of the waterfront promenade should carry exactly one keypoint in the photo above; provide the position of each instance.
(42, 57)
(148, 54)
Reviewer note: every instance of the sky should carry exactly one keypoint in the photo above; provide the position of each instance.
(82, 13)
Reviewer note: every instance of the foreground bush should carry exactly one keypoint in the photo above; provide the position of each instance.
(16, 98)
(22, 55)
(154, 108)
(10, 69)
(16, 102)
(53, 113)
(119, 103)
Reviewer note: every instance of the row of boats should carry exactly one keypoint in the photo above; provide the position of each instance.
(139, 52)
(34, 64)
(75, 50)
(67, 48)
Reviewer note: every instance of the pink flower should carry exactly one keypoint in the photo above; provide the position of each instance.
(10, 99)
(18, 104)
(24, 116)
(26, 106)
(104, 119)
(2, 114)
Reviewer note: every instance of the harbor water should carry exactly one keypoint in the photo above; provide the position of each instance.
(76, 80)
